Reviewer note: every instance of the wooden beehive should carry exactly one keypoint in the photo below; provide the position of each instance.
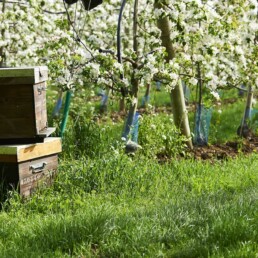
(27, 167)
(23, 112)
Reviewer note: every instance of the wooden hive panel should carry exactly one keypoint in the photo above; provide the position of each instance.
(40, 107)
(16, 112)
(29, 166)
(35, 173)
(23, 75)
(23, 109)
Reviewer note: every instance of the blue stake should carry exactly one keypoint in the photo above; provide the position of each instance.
(66, 112)
(58, 106)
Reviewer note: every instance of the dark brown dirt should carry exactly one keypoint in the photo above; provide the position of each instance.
(225, 151)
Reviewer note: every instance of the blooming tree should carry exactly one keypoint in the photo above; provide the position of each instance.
(222, 39)
(214, 42)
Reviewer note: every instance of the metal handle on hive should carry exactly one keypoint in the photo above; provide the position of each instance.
(37, 168)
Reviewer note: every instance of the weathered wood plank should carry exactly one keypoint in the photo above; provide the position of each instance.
(40, 149)
(24, 152)
(30, 178)
(40, 106)
(43, 164)
(47, 131)
(29, 175)
(23, 111)
(21, 75)
(16, 112)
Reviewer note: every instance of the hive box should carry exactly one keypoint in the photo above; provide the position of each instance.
(23, 112)
(29, 166)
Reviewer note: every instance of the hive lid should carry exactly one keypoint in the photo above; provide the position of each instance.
(23, 75)
(19, 153)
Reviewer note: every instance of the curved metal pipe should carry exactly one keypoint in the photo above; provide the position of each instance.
(118, 36)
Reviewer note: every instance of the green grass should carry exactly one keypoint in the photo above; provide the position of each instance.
(104, 203)
(225, 122)
(115, 207)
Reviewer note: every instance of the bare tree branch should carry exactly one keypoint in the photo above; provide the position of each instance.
(46, 11)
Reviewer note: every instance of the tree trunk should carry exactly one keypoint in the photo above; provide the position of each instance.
(2, 55)
(244, 130)
(122, 104)
(134, 81)
(177, 94)
(122, 100)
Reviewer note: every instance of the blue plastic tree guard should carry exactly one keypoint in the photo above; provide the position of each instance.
(132, 133)
(202, 125)
(145, 100)
(57, 107)
(242, 90)
(254, 119)
(158, 85)
(104, 99)
(135, 128)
